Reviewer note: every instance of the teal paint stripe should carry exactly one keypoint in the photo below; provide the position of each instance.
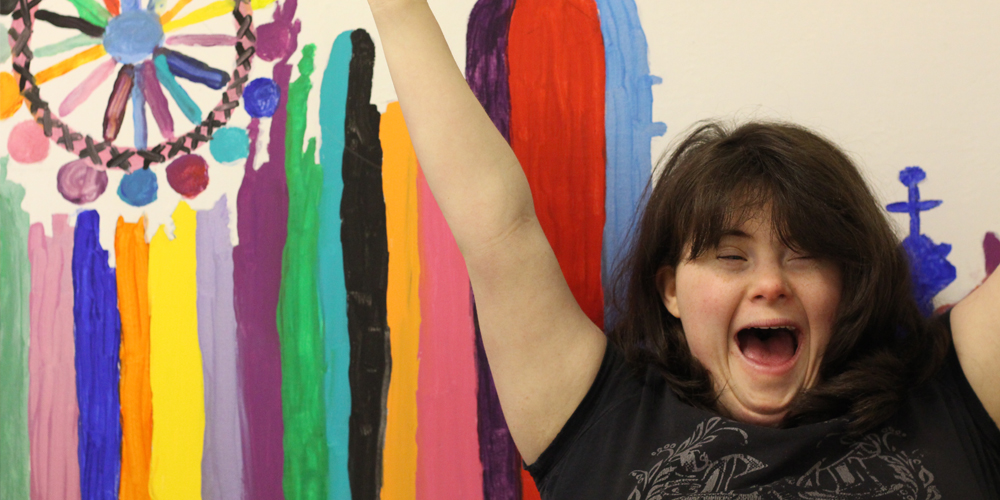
(15, 285)
(332, 290)
(181, 97)
(629, 126)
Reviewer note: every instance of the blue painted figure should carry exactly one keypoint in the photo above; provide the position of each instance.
(929, 267)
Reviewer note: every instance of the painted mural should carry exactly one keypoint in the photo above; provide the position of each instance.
(246, 289)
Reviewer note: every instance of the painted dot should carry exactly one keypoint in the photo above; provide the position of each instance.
(27, 143)
(81, 183)
(260, 97)
(131, 36)
(138, 188)
(188, 175)
(10, 98)
(229, 144)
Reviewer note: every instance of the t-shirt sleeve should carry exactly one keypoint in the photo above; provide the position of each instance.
(613, 386)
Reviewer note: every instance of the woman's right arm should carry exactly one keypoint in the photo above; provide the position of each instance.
(543, 350)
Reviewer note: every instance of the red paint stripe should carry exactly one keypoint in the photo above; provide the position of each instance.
(556, 58)
(114, 7)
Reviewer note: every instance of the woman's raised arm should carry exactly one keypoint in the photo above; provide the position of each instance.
(543, 350)
(975, 327)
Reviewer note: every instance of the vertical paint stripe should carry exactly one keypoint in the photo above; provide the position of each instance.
(222, 467)
(15, 286)
(399, 184)
(175, 362)
(132, 271)
(366, 259)
(629, 126)
(262, 225)
(55, 468)
(302, 360)
(447, 437)
(487, 74)
(332, 293)
(557, 132)
(97, 339)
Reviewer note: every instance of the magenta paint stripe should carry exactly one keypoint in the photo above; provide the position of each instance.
(52, 407)
(262, 223)
(222, 464)
(87, 87)
(157, 102)
(448, 463)
(991, 247)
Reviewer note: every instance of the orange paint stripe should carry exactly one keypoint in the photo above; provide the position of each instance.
(114, 7)
(70, 63)
(132, 256)
(170, 14)
(399, 185)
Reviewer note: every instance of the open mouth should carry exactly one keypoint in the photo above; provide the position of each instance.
(769, 346)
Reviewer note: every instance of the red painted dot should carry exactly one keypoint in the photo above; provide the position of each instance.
(188, 175)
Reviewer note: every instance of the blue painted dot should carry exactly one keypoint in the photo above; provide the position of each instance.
(229, 144)
(138, 188)
(260, 97)
(131, 36)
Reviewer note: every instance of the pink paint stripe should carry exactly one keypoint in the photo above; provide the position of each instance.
(448, 463)
(202, 40)
(52, 426)
(87, 87)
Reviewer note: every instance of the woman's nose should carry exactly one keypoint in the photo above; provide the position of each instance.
(769, 283)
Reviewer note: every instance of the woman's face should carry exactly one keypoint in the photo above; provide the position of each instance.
(757, 315)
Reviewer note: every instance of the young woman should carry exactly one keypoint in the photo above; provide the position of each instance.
(769, 347)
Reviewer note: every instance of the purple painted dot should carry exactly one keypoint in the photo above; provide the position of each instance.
(261, 97)
(188, 175)
(80, 183)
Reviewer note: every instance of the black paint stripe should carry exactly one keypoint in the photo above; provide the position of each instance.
(75, 23)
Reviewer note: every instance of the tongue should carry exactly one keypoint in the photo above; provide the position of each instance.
(768, 347)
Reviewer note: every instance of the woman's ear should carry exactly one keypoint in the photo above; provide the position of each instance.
(666, 283)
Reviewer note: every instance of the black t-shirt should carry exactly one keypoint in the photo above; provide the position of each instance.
(632, 439)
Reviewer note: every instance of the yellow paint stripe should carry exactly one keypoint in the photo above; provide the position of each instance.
(70, 63)
(175, 363)
(210, 11)
(168, 15)
(399, 186)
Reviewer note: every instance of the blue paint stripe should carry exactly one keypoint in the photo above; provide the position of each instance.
(97, 335)
(181, 97)
(139, 111)
(194, 70)
(332, 290)
(629, 126)
(129, 5)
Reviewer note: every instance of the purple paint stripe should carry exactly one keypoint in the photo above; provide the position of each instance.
(262, 224)
(156, 100)
(55, 468)
(222, 465)
(202, 40)
(486, 72)
(991, 247)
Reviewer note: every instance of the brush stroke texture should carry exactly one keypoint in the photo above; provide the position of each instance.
(132, 272)
(447, 437)
(399, 185)
(175, 367)
(97, 340)
(629, 126)
(487, 73)
(302, 360)
(366, 259)
(332, 291)
(262, 224)
(15, 285)
(55, 468)
(222, 466)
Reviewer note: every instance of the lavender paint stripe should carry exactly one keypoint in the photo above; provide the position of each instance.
(629, 126)
(486, 72)
(222, 465)
(202, 40)
(98, 337)
(55, 468)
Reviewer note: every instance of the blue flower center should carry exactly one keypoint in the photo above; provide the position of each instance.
(132, 36)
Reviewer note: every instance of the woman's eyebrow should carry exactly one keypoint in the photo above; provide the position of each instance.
(734, 233)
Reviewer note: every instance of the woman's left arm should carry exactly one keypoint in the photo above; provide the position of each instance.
(975, 327)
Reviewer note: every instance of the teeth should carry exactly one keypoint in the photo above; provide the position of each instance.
(774, 328)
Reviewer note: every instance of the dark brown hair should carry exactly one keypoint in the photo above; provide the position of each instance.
(820, 204)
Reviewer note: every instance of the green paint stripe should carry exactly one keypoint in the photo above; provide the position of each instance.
(92, 12)
(70, 43)
(302, 358)
(15, 284)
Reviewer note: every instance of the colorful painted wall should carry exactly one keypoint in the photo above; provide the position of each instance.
(223, 275)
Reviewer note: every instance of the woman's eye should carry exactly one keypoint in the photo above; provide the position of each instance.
(731, 257)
